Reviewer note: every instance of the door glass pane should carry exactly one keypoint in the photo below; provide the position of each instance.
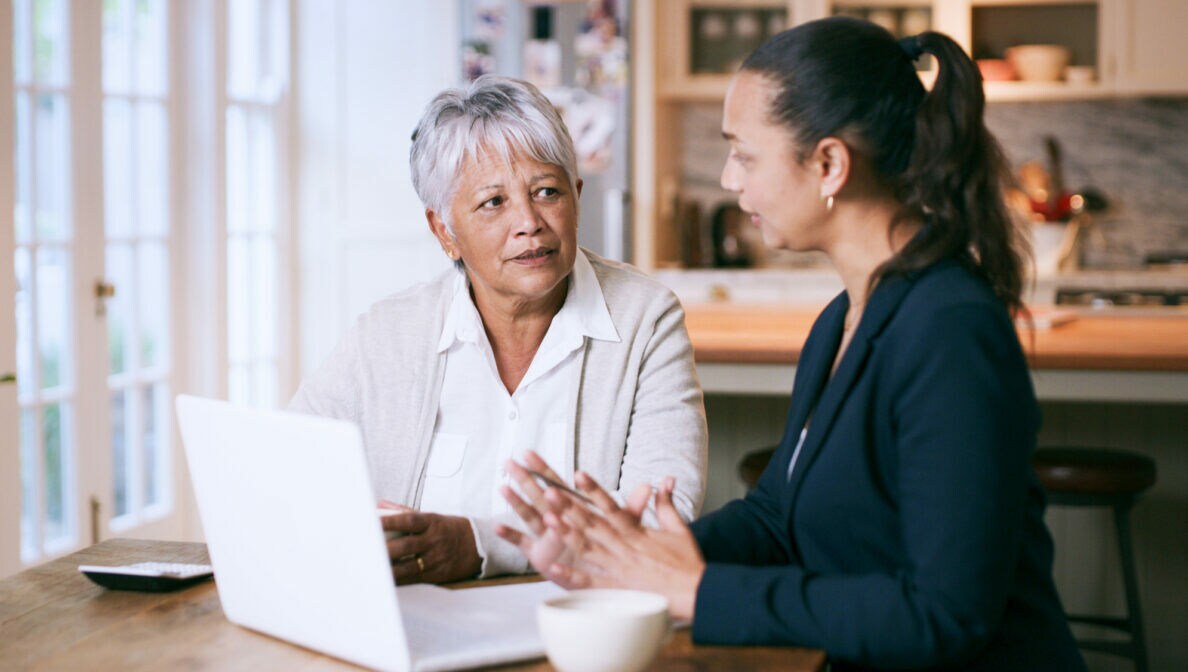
(53, 316)
(152, 147)
(239, 384)
(264, 161)
(150, 46)
(26, 370)
(154, 444)
(57, 485)
(117, 167)
(264, 384)
(243, 61)
(52, 167)
(238, 172)
(117, 46)
(275, 52)
(24, 169)
(153, 290)
(238, 300)
(22, 29)
(121, 337)
(50, 41)
(119, 453)
(264, 301)
(29, 483)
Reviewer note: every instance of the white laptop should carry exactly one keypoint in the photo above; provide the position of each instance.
(298, 552)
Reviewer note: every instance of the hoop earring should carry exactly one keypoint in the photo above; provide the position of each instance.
(829, 204)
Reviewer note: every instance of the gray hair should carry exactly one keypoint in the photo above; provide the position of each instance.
(494, 114)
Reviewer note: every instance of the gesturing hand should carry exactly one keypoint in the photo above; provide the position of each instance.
(619, 552)
(546, 548)
(433, 548)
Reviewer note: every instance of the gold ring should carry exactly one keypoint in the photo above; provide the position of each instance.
(420, 565)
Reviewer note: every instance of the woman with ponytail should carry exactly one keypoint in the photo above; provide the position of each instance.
(899, 525)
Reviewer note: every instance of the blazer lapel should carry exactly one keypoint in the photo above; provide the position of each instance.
(813, 368)
(880, 308)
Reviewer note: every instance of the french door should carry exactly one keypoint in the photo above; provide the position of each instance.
(120, 300)
(91, 126)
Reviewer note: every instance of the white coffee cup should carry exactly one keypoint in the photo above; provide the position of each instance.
(603, 630)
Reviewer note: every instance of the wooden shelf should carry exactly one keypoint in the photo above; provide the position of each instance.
(1023, 91)
(699, 88)
(1019, 3)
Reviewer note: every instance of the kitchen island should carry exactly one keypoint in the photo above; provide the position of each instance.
(1123, 354)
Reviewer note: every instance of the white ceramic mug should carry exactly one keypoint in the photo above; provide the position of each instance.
(603, 630)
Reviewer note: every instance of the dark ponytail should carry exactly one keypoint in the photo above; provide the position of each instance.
(955, 180)
(850, 79)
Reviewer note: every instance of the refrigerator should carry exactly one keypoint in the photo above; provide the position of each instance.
(576, 52)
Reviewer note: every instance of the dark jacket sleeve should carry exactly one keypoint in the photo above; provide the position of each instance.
(748, 531)
(951, 417)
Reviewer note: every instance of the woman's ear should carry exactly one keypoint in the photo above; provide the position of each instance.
(833, 161)
(438, 228)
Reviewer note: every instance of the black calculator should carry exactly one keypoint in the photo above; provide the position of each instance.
(155, 577)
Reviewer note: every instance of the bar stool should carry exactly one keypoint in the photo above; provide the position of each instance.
(1078, 476)
(753, 464)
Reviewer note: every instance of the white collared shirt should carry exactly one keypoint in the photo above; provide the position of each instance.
(479, 425)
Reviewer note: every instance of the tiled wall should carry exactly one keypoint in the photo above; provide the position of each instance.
(1135, 151)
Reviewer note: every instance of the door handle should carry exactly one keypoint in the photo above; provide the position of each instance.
(103, 291)
(8, 378)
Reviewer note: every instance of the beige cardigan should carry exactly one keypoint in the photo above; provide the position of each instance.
(637, 410)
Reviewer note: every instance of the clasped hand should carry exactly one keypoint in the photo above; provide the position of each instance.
(431, 548)
(604, 545)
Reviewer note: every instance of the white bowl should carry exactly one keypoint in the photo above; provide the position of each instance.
(1039, 62)
(1080, 74)
(603, 630)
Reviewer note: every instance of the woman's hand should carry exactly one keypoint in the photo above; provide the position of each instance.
(546, 548)
(619, 552)
(431, 548)
(542, 547)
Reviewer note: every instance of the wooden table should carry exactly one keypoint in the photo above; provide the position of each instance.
(753, 349)
(54, 618)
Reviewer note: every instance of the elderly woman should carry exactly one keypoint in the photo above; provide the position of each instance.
(530, 342)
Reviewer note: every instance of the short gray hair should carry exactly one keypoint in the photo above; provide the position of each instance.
(495, 114)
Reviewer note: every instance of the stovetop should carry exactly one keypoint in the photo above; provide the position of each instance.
(1167, 258)
(1099, 297)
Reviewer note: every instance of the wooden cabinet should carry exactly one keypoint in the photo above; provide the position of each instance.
(987, 28)
(701, 43)
(1149, 50)
(1134, 46)
(684, 57)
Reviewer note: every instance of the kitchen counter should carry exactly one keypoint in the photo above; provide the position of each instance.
(1116, 355)
(816, 285)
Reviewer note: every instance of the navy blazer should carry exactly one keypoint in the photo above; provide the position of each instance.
(911, 533)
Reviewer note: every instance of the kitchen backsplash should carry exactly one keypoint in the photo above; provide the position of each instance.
(1134, 151)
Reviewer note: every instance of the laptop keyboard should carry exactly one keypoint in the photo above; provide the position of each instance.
(477, 625)
(432, 635)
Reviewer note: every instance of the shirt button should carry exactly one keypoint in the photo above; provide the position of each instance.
(511, 415)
